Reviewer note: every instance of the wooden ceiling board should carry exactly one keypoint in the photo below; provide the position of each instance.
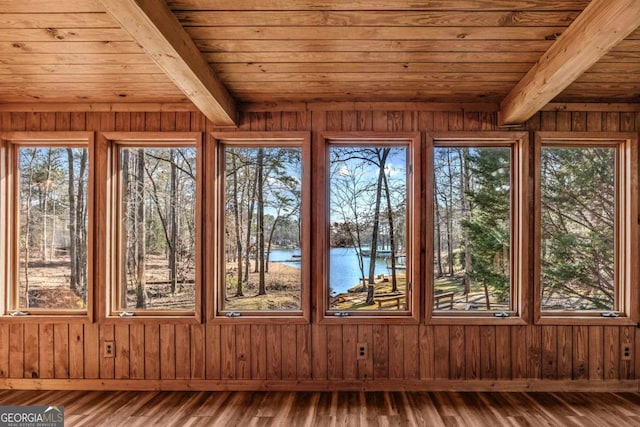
(69, 51)
(447, 18)
(348, 45)
(373, 33)
(51, 6)
(425, 5)
(305, 51)
(49, 20)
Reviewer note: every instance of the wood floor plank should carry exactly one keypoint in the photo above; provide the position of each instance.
(258, 408)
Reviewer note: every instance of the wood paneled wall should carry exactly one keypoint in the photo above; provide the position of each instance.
(215, 356)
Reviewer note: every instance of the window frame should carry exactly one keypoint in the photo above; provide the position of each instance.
(111, 144)
(215, 223)
(626, 228)
(410, 140)
(519, 248)
(10, 144)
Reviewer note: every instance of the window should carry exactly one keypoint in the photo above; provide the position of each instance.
(47, 180)
(156, 224)
(585, 223)
(478, 225)
(263, 227)
(370, 251)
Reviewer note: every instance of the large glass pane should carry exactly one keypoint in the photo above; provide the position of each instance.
(577, 218)
(53, 228)
(158, 228)
(472, 228)
(368, 228)
(262, 223)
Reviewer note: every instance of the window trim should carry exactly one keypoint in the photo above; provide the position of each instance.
(10, 143)
(411, 315)
(626, 238)
(215, 224)
(110, 144)
(519, 264)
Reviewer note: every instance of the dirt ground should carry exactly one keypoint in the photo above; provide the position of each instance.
(356, 298)
(282, 286)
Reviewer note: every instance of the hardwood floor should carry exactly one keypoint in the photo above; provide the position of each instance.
(335, 408)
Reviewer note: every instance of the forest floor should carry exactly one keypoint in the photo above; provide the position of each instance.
(48, 286)
(282, 286)
(356, 298)
(475, 300)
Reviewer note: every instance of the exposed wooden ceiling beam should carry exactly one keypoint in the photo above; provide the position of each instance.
(152, 24)
(602, 25)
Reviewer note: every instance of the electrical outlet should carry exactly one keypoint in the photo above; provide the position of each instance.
(109, 349)
(362, 351)
(625, 353)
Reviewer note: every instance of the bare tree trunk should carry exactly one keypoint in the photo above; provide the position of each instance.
(52, 239)
(73, 280)
(486, 295)
(128, 224)
(45, 207)
(81, 226)
(27, 232)
(252, 190)
(466, 214)
(438, 248)
(236, 215)
(392, 240)
(140, 232)
(376, 213)
(262, 290)
(173, 223)
(449, 209)
(269, 240)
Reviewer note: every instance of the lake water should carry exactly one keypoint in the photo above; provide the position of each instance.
(343, 265)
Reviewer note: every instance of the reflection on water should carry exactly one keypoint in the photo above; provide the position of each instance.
(343, 266)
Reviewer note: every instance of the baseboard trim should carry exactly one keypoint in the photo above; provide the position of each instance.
(519, 385)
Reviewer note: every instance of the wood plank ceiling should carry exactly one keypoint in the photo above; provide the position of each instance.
(70, 51)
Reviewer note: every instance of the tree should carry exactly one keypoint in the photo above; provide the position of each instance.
(465, 178)
(578, 227)
(173, 221)
(236, 219)
(81, 224)
(381, 157)
(351, 201)
(392, 240)
(261, 248)
(262, 190)
(488, 224)
(73, 280)
(140, 230)
(27, 163)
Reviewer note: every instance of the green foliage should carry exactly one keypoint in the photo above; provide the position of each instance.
(577, 221)
(488, 227)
